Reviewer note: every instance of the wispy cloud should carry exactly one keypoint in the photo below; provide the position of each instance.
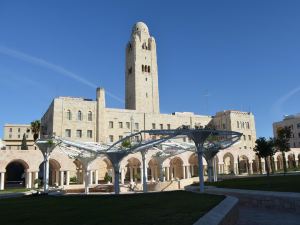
(50, 66)
(278, 105)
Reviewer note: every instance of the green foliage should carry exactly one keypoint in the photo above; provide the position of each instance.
(281, 143)
(126, 144)
(107, 178)
(38, 182)
(24, 143)
(35, 128)
(264, 149)
(73, 179)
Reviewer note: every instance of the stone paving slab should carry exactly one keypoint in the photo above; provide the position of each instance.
(257, 216)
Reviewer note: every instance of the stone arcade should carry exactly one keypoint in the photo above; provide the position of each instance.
(88, 120)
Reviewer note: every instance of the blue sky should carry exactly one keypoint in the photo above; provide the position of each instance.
(241, 55)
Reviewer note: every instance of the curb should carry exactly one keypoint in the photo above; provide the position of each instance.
(226, 213)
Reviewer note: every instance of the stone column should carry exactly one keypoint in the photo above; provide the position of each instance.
(236, 168)
(188, 171)
(167, 173)
(28, 179)
(67, 177)
(135, 173)
(141, 174)
(152, 173)
(35, 175)
(250, 168)
(171, 173)
(183, 171)
(122, 175)
(61, 178)
(96, 176)
(192, 170)
(131, 174)
(57, 178)
(263, 167)
(2, 175)
(91, 177)
(275, 165)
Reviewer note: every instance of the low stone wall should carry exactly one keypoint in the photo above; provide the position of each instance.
(226, 213)
(283, 201)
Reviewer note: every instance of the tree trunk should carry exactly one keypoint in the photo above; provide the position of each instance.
(267, 166)
(284, 163)
(259, 165)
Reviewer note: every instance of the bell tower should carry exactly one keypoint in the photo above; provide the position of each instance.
(141, 91)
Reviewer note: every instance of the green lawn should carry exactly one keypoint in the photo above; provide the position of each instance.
(14, 190)
(177, 207)
(288, 183)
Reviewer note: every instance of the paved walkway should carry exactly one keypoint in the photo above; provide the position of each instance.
(257, 216)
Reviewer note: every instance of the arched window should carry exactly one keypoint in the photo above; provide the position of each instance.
(69, 115)
(90, 116)
(79, 115)
(148, 69)
(238, 124)
(143, 69)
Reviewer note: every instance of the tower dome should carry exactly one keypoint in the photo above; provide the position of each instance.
(140, 26)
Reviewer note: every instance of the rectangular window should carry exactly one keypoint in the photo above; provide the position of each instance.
(10, 129)
(248, 125)
(237, 124)
(249, 137)
(136, 126)
(120, 137)
(68, 132)
(137, 138)
(111, 138)
(120, 125)
(19, 136)
(19, 130)
(169, 126)
(10, 136)
(111, 124)
(245, 147)
(161, 126)
(153, 126)
(299, 135)
(79, 133)
(127, 125)
(89, 133)
(298, 125)
(184, 139)
(223, 126)
(244, 136)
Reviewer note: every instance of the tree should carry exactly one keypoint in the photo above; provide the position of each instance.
(281, 143)
(24, 143)
(264, 149)
(35, 128)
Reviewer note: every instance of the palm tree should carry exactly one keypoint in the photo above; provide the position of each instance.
(282, 143)
(35, 128)
(264, 149)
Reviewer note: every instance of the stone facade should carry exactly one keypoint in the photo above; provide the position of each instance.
(13, 135)
(89, 120)
(292, 121)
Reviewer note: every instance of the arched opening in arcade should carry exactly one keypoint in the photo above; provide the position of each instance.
(243, 164)
(133, 172)
(279, 162)
(54, 172)
(193, 161)
(255, 165)
(153, 170)
(78, 176)
(15, 175)
(105, 171)
(291, 161)
(176, 168)
(228, 163)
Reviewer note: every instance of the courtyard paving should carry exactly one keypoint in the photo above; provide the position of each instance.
(258, 216)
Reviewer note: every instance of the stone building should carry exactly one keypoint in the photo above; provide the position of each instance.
(292, 121)
(13, 135)
(89, 120)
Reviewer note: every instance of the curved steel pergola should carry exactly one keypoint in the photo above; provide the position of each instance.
(207, 143)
